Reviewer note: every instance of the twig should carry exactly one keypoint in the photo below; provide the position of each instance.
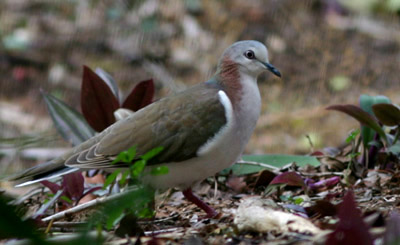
(258, 164)
(323, 174)
(81, 207)
(49, 226)
(146, 222)
(45, 206)
(153, 233)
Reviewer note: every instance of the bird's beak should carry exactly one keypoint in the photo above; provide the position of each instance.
(272, 69)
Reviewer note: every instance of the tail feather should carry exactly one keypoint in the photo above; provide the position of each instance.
(44, 171)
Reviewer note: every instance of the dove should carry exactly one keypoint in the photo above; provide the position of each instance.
(202, 130)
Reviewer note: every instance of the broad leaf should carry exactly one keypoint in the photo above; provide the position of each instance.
(388, 114)
(97, 101)
(53, 187)
(69, 123)
(322, 183)
(111, 178)
(268, 161)
(366, 103)
(351, 228)
(135, 201)
(74, 185)
(152, 153)
(361, 116)
(141, 96)
(109, 80)
(160, 170)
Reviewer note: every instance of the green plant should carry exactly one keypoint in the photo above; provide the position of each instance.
(379, 126)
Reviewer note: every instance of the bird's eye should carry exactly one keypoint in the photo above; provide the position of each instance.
(250, 54)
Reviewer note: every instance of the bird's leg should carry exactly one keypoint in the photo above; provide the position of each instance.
(211, 213)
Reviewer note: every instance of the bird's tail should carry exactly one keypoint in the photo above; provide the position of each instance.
(44, 171)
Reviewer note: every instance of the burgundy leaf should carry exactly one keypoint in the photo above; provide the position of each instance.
(264, 178)
(98, 102)
(74, 185)
(52, 186)
(321, 208)
(360, 115)
(387, 114)
(322, 183)
(288, 178)
(351, 229)
(141, 96)
(392, 233)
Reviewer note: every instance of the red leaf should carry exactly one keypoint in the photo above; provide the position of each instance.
(98, 102)
(322, 183)
(351, 229)
(52, 186)
(321, 208)
(74, 185)
(141, 96)
(288, 178)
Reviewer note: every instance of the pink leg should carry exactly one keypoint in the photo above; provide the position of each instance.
(211, 213)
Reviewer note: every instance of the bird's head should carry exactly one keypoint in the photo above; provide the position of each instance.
(250, 57)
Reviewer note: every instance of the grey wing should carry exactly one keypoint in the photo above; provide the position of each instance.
(180, 124)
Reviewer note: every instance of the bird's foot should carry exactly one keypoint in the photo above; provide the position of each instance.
(211, 213)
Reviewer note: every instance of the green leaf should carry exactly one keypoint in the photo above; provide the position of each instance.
(68, 122)
(111, 178)
(114, 218)
(131, 152)
(298, 200)
(362, 116)
(159, 170)
(65, 198)
(395, 149)
(152, 153)
(125, 156)
(137, 168)
(388, 114)
(132, 201)
(352, 136)
(124, 175)
(268, 161)
(366, 103)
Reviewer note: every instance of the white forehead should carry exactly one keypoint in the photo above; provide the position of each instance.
(240, 47)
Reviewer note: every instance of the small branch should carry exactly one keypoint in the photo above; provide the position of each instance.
(258, 164)
(323, 174)
(81, 207)
(169, 230)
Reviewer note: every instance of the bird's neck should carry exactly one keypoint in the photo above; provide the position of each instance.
(234, 82)
(229, 77)
(242, 90)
